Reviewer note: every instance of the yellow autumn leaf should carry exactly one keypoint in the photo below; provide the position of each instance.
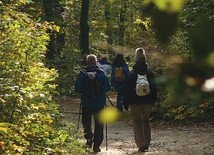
(2, 144)
(109, 115)
(170, 6)
(3, 129)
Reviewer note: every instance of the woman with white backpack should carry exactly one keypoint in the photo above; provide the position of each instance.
(140, 94)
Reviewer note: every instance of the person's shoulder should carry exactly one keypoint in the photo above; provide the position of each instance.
(125, 66)
(150, 73)
(100, 71)
(132, 73)
(83, 70)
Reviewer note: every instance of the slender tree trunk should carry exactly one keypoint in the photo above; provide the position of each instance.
(84, 28)
(108, 23)
(122, 23)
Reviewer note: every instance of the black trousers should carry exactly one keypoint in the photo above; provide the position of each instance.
(97, 135)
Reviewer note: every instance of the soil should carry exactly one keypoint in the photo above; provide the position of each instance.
(166, 139)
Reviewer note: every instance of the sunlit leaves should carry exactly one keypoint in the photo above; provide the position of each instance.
(170, 6)
(25, 84)
(108, 115)
(146, 23)
(210, 59)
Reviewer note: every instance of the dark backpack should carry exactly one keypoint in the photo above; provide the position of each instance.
(92, 87)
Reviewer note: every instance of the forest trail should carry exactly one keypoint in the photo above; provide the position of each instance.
(166, 140)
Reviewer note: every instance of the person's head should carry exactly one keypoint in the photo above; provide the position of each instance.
(104, 56)
(119, 60)
(140, 54)
(91, 60)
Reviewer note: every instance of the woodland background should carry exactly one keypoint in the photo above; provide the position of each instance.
(43, 44)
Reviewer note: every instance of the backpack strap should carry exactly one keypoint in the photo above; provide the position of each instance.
(86, 73)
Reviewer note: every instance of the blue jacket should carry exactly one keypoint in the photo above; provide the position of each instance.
(119, 84)
(105, 66)
(105, 87)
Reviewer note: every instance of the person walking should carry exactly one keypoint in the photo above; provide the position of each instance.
(140, 102)
(92, 84)
(104, 65)
(119, 73)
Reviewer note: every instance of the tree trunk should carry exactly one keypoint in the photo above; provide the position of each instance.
(108, 23)
(84, 28)
(122, 23)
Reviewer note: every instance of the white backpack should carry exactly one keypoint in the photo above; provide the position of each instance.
(142, 85)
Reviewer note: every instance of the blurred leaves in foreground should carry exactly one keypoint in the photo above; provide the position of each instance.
(164, 14)
(109, 115)
(197, 77)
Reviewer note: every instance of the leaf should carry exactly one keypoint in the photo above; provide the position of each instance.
(3, 129)
(170, 6)
(3, 124)
(210, 59)
(109, 115)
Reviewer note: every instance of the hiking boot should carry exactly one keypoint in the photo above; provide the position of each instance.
(119, 108)
(143, 149)
(146, 148)
(89, 143)
(96, 149)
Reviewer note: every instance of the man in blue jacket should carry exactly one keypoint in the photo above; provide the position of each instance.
(91, 106)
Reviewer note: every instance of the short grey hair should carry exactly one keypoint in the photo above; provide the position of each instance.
(91, 60)
(139, 54)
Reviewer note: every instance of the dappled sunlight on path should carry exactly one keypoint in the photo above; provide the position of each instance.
(166, 140)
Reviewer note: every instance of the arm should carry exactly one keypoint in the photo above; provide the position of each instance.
(105, 82)
(127, 90)
(79, 83)
(112, 76)
(153, 87)
(126, 69)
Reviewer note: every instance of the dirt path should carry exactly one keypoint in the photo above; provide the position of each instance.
(166, 140)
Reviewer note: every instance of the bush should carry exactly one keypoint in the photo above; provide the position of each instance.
(28, 113)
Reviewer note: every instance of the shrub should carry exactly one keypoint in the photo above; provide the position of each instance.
(28, 112)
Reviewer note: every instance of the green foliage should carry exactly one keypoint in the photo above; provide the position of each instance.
(28, 113)
(69, 59)
(192, 10)
(186, 94)
(167, 21)
(190, 95)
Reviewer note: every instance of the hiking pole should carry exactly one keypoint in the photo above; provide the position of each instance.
(79, 115)
(106, 134)
(110, 100)
(106, 139)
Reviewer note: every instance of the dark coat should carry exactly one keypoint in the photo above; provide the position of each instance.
(105, 85)
(118, 84)
(130, 96)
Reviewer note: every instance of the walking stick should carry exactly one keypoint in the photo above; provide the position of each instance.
(110, 101)
(106, 135)
(80, 108)
(106, 123)
(106, 139)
